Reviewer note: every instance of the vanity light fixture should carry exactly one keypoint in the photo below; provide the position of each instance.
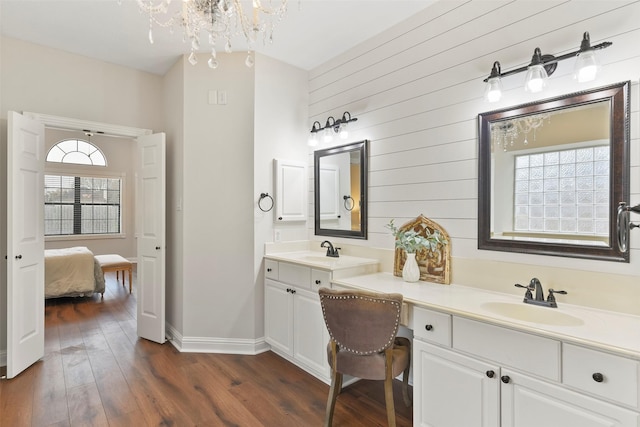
(331, 127)
(542, 66)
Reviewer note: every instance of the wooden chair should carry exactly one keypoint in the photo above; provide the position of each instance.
(363, 327)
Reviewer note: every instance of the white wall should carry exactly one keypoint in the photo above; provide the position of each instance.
(281, 111)
(218, 202)
(173, 102)
(417, 90)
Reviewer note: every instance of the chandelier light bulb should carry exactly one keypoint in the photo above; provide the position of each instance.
(344, 131)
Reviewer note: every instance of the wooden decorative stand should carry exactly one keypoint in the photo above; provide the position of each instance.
(434, 266)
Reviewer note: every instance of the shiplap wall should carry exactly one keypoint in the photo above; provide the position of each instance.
(417, 90)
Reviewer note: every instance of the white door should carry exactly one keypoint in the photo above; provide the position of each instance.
(151, 237)
(25, 243)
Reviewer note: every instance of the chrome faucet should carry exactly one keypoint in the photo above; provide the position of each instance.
(331, 251)
(536, 286)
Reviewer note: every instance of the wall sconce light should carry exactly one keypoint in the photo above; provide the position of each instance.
(542, 66)
(331, 127)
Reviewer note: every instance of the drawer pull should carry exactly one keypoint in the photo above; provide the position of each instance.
(428, 327)
(598, 377)
(318, 282)
(490, 374)
(505, 379)
(269, 270)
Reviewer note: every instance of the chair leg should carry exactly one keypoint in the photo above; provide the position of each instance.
(388, 397)
(336, 385)
(388, 389)
(405, 387)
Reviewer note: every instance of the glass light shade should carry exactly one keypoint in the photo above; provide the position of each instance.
(586, 67)
(493, 90)
(313, 139)
(328, 135)
(536, 79)
(344, 131)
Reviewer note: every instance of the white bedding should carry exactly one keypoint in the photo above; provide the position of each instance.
(71, 272)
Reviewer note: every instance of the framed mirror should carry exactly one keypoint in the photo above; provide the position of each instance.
(551, 175)
(340, 190)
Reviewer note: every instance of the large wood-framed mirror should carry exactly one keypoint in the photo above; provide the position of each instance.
(551, 174)
(340, 190)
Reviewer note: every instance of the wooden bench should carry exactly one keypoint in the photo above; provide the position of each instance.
(114, 262)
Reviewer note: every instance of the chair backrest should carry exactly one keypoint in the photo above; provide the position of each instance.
(361, 322)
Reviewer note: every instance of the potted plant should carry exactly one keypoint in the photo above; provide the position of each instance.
(412, 241)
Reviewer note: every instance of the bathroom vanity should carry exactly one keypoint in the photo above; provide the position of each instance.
(294, 326)
(480, 358)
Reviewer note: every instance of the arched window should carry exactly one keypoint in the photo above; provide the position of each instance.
(81, 204)
(76, 151)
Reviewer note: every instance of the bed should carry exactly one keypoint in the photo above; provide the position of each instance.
(71, 272)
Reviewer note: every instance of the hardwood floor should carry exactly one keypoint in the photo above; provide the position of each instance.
(96, 372)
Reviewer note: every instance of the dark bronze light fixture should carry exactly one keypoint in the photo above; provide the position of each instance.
(340, 126)
(542, 66)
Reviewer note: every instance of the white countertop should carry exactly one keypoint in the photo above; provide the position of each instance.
(317, 259)
(605, 330)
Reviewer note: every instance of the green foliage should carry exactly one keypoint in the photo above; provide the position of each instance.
(411, 241)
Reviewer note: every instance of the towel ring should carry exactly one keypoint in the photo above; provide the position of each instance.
(624, 225)
(347, 204)
(262, 197)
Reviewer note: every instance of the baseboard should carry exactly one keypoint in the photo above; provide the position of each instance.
(3, 357)
(215, 345)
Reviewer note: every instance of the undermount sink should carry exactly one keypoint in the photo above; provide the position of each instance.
(532, 313)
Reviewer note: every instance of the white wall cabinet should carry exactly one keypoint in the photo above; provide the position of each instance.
(294, 325)
(292, 186)
(470, 373)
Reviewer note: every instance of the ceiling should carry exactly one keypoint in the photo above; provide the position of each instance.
(313, 31)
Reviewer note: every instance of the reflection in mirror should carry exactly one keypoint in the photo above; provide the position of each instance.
(340, 189)
(551, 175)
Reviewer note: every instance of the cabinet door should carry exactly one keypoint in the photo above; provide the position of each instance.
(310, 333)
(278, 316)
(451, 390)
(292, 186)
(527, 402)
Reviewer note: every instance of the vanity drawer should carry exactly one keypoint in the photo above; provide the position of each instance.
(531, 353)
(296, 275)
(432, 326)
(271, 269)
(618, 376)
(320, 279)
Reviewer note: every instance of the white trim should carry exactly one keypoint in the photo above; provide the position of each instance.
(67, 123)
(215, 345)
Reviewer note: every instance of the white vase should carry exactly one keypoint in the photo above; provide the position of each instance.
(411, 271)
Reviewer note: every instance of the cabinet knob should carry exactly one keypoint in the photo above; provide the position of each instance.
(490, 373)
(280, 218)
(293, 291)
(598, 377)
(505, 379)
(318, 282)
(428, 327)
(268, 270)
(158, 248)
(18, 256)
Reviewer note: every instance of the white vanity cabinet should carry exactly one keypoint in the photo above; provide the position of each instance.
(471, 373)
(294, 325)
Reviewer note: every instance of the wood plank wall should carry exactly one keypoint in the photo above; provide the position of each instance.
(417, 89)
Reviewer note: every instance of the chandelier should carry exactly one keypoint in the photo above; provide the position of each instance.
(505, 133)
(217, 21)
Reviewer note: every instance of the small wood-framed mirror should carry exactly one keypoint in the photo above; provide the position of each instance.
(340, 190)
(551, 174)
